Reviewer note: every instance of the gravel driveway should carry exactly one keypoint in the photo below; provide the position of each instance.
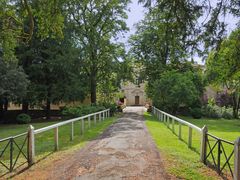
(124, 151)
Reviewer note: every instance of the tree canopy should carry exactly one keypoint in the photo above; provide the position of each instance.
(223, 67)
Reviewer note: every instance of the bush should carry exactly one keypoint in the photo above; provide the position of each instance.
(112, 107)
(174, 90)
(81, 110)
(196, 113)
(227, 113)
(23, 118)
(149, 109)
(213, 111)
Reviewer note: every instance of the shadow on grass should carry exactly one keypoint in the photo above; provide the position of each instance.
(154, 119)
(226, 125)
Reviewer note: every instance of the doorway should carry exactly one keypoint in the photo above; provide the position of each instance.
(136, 100)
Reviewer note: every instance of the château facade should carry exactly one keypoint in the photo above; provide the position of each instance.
(134, 94)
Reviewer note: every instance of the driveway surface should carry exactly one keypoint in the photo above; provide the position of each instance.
(124, 151)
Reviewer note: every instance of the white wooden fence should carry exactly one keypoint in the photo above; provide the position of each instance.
(169, 120)
(32, 132)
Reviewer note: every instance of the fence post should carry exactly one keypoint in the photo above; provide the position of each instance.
(56, 138)
(95, 119)
(11, 154)
(189, 137)
(82, 126)
(31, 146)
(236, 174)
(180, 131)
(89, 121)
(99, 117)
(72, 131)
(168, 121)
(173, 128)
(203, 150)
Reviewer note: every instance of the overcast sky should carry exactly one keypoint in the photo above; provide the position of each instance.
(136, 14)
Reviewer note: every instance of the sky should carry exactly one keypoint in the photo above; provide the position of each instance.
(136, 14)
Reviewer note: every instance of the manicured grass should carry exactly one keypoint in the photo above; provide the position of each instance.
(7, 130)
(179, 160)
(226, 129)
(44, 142)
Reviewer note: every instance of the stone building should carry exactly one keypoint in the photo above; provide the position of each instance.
(134, 94)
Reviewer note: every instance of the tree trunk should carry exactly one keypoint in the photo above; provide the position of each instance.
(93, 88)
(48, 108)
(1, 109)
(5, 105)
(236, 104)
(25, 106)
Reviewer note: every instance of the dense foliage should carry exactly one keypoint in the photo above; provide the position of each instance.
(173, 32)
(174, 90)
(55, 51)
(196, 113)
(23, 118)
(81, 110)
(61, 51)
(223, 68)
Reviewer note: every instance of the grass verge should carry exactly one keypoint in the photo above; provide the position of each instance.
(44, 142)
(179, 160)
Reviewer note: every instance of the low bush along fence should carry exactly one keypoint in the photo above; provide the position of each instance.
(218, 153)
(13, 147)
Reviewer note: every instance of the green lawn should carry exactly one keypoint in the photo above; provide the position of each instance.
(226, 129)
(182, 161)
(44, 142)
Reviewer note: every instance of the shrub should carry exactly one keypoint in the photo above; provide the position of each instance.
(149, 109)
(23, 118)
(227, 113)
(196, 113)
(174, 90)
(213, 111)
(112, 107)
(81, 110)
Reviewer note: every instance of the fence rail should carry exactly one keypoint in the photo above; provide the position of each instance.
(12, 150)
(218, 146)
(9, 143)
(205, 148)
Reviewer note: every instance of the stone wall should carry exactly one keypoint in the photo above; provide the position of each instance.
(134, 94)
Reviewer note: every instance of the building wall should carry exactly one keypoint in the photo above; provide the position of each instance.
(12, 106)
(131, 90)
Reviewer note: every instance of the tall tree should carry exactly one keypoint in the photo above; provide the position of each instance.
(13, 84)
(53, 69)
(223, 68)
(15, 14)
(95, 24)
(165, 36)
(210, 27)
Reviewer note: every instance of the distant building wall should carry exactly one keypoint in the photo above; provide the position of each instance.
(134, 94)
(56, 106)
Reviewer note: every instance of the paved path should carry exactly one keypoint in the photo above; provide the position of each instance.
(124, 151)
